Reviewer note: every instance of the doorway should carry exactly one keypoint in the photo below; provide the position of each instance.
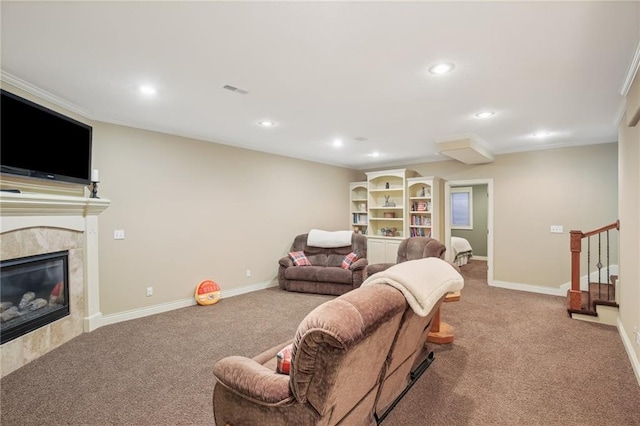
(483, 214)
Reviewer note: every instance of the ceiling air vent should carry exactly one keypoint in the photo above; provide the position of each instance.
(235, 89)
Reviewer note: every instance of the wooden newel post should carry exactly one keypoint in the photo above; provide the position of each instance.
(575, 298)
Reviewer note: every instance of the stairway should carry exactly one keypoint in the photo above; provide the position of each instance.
(598, 304)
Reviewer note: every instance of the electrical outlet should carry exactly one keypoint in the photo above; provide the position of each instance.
(556, 229)
(248, 273)
(149, 291)
(118, 234)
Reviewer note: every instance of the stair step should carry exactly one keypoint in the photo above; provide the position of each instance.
(605, 315)
(600, 294)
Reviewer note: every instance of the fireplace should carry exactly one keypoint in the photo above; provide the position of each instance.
(34, 291)
(49, 219)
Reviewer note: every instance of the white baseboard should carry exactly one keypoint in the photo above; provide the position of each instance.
(474, 257)
(103, 320)
(628, 345)
(248, 289)
(92, 322)
(553, 291)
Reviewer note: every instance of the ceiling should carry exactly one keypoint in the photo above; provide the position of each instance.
(353, 71)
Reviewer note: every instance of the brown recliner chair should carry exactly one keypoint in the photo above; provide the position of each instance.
(325, 275)
(419, 248)
(349, 355)
(339, 354)
(410, 358)
(411, 249)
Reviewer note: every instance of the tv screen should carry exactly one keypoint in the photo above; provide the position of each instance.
(41, 143)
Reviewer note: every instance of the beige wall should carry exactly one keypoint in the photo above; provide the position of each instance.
(629, 206)
(574, 187)
(194, 210)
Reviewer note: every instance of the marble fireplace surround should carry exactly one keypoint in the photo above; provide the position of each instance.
(38, 223)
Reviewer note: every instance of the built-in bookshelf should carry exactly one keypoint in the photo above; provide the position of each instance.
(359, 221)
(425, 207)
(392, 205)
(387, 213)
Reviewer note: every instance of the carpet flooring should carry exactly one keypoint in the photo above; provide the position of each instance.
(517, 359)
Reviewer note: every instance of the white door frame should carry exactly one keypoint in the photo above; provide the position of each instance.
(447, 219)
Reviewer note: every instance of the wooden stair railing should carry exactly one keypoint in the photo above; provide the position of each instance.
(584, 301)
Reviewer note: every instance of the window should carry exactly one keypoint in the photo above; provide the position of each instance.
(462, 208)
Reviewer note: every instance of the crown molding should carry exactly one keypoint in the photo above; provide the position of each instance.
(631, 72)
(622, 109)
(30, 88)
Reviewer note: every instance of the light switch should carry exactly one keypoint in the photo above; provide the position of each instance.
(118, 234)
(556, 229)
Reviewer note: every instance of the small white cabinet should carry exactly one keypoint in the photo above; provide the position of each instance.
(382, 251)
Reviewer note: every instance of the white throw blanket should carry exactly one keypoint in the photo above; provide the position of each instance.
(328, 239)
(423, 281)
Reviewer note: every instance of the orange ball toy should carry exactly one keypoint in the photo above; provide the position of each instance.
(207, 293)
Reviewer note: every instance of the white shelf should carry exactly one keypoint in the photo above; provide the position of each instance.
(386, 190)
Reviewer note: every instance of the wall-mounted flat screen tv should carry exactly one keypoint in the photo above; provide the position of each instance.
(40, 143)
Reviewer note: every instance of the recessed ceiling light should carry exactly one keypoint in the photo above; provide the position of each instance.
(485, 114)
(442, 68)
(337, 143)
(147, 90)
(541, 135)
(375, 154)
(266, 123)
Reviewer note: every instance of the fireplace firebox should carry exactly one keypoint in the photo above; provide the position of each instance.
(34, 291)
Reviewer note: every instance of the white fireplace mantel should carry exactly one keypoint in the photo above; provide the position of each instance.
(29, 210)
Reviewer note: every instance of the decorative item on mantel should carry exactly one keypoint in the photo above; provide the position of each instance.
(95, 179)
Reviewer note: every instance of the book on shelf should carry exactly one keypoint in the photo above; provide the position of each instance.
(420, 232)
(359, 218)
